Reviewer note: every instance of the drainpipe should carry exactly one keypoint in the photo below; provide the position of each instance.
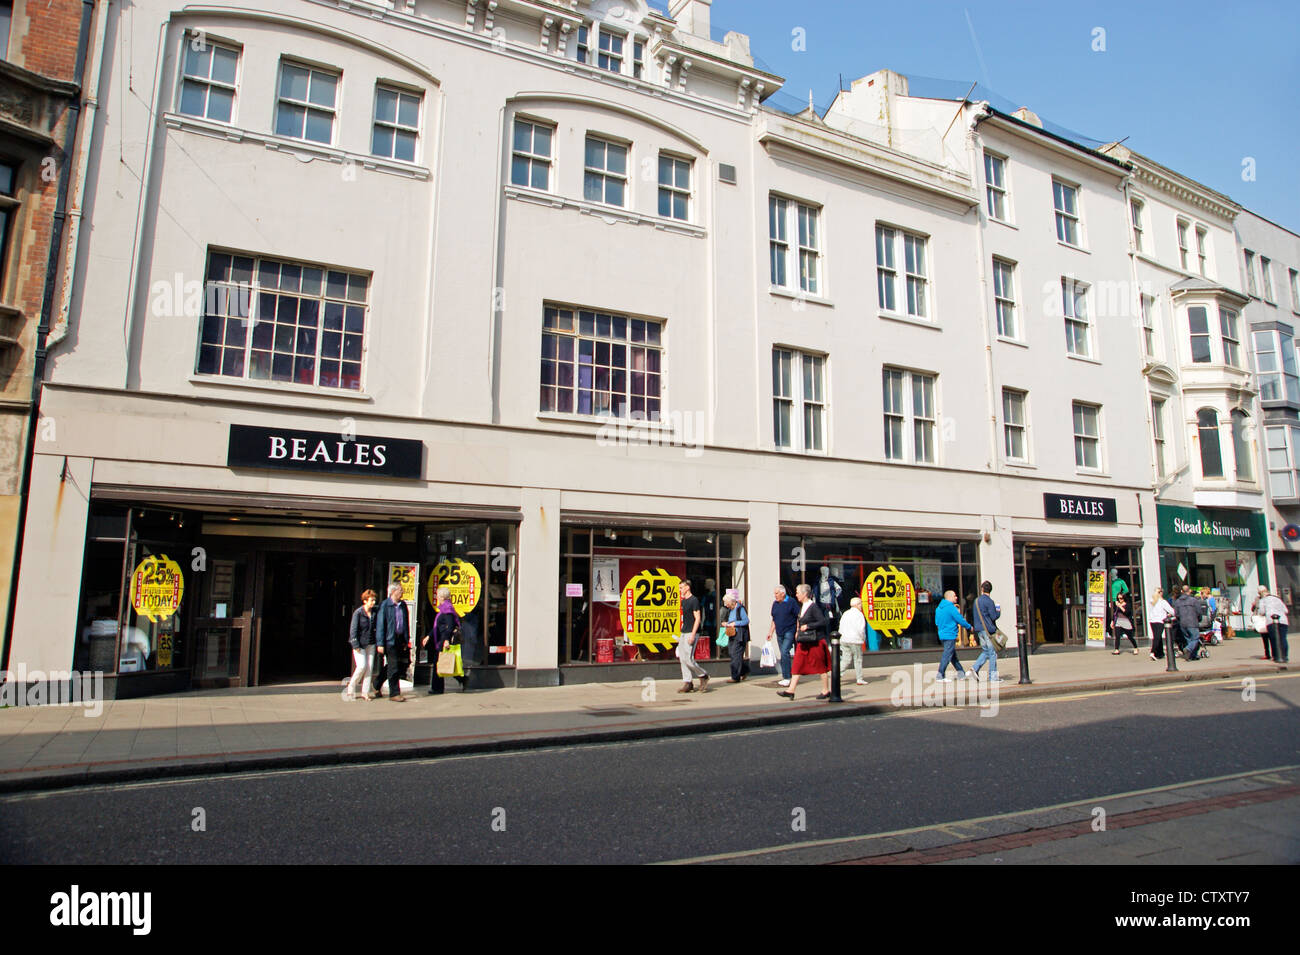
(47, 305)
(974, 148)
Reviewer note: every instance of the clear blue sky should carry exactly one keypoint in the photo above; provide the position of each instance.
(1196, 86)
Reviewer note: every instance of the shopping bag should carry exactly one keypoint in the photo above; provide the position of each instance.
(723, 639)
(450, 663)
(1259, 622)
(768, 657)
(702, 650)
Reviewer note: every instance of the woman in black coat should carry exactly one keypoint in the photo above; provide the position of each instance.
(361, 637)
(811, 655)
(1121, 623)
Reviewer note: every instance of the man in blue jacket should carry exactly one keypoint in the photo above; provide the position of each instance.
(947, 617)
(986, 615)
(393, 640)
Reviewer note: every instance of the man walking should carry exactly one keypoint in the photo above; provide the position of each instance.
(986, 615)
(691, 619)
(1274, 611)
(947, 618)
(393, 640)
(853, 636)
(1189, 611)
(785, 615)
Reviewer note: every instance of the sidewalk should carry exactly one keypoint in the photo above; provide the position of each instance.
(276, 727)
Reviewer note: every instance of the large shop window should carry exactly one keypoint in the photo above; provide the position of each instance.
(839, 568)
(599, 565)
(476, 562)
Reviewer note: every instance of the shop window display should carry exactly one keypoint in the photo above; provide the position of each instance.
(477, 561)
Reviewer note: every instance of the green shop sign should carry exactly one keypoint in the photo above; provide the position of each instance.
(1211, 528)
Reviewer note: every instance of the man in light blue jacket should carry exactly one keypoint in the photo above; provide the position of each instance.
(947, 618)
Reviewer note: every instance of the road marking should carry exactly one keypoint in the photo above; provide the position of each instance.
(845, 840)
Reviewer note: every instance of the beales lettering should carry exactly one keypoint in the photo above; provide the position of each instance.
(319, 451)
(1072, 507)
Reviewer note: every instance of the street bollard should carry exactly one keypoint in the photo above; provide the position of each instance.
(835, 669)
(1274, 638)
(1171, 664)
(1024, 653)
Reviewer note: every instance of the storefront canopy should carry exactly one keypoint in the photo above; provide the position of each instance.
(1211, 528)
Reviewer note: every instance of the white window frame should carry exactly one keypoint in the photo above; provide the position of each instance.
(396, 125)
(1073, 295)
(532, 159)
(1136, 208)
(604, 173)
(1004, 298)
(897, 272)
(799, 388)
(308, 105)
(582, 44)
(1181, 227)
(916, 414)
(208, 82)
(1294, 278)
(1147, 305)
(1231, 343)
(1064, 217)
(1015, 400)
(787, 218)
(1158, 433)
(1276, 349)
(1281, 438)
(1266, 278)
(1202, 250)
(607, 59)
(1081, 437)
(996, 192)
(638, 58)
(1249, 258)
(673, 189)
(1243, 453)
(1203, 431)
(1193, 335)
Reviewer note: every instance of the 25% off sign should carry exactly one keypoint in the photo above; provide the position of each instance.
(650, 609)
(462, 579)
(889, 600)
(157, 586)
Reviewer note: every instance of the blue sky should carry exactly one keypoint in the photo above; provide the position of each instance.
(1199, 87)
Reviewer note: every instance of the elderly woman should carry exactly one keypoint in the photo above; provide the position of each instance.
(1274, 611)
(810, 653)
(736, 622)
(361, 637)
(444, 632)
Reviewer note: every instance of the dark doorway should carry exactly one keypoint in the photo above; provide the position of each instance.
(306, 608)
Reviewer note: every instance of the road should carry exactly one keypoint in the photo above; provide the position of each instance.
(748, 794)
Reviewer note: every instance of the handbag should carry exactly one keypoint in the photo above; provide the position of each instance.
(450, 663)
(997, 636)
(1259, 622)
(730, 628)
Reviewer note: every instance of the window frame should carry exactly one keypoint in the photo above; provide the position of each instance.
(1136, 208)
(1083, 406)
(1022, 426)
(307, 106)
(672, 189)
(532, 159)
(1004, 298)
(1064, 217)
(1231, 344)
(1266, 279)
(1284, 381)
(1202, 250)
(910, 420)
(1242, 452)
(803, 367)
(1181, 229)
(396, 125)
(589, 172)
(1289, 434)
(1193, 335)
(795, 212)
(898, 244)
(1249, 258)
(187, 38)
(1204, 428)
(603, 54)
(1293, 277)
(1158, 434)
(1146, 310)
(564, 322)
(1074, 293)
(996, 190)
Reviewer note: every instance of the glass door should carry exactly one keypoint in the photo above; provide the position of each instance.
(224, 622)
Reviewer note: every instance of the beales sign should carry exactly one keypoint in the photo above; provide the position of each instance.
(1072, 507)
(361, 455)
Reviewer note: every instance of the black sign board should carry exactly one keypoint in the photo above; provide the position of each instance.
(1073, 507)
(358, 455)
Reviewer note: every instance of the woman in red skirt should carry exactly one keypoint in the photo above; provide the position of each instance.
(810, 652)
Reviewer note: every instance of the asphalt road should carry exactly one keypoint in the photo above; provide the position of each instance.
(685, 797)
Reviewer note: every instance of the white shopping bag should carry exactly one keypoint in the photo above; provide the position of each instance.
(769, 656)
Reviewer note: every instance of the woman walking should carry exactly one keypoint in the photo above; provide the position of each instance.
(361, 637)
(1159, 611)
(444, 632)
(1121, 623)
(810, 654)
(1274, 611)
(736, 622)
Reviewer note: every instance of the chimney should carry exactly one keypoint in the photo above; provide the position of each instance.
(692, 16)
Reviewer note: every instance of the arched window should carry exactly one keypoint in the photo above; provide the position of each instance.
(1207, 431)
(1241, 445)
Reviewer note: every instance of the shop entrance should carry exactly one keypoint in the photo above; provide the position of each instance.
(1052, 590)
(306, 607)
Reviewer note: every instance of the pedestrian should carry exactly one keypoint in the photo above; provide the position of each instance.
(810, 653)
(1274, 611)
(947, 618)
(736, 621)
(393, 640)
(1121, 623)
(1157, 614)
(785, 615)
(690, 632)
(986, 615)
(853, 637)
(1188, 610)
(443, 634)
(361, 637)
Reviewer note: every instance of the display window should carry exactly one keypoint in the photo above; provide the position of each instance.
(1233, 578)
(619, 597)
(900, 582)
(476, 562)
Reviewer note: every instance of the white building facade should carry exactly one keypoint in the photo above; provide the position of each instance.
(536, 300)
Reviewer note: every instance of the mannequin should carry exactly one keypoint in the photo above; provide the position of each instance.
(827, 591)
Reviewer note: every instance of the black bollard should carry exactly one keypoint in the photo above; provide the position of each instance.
(1171, 663)
(1023, 650)
(835, 669)
(1274, 638)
